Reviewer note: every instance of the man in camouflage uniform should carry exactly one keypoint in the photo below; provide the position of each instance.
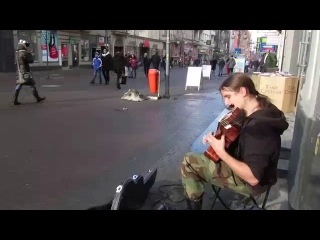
(248, 166)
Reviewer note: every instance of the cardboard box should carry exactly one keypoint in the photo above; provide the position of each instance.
(256, 80)
(282, 91)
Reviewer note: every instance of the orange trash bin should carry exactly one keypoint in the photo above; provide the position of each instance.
(153, 75)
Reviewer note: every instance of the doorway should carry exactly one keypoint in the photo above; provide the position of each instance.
(64, 55)
(118, 49)
(93, 52)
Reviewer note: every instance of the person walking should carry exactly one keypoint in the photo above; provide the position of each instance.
(24, 57)
(96, 64)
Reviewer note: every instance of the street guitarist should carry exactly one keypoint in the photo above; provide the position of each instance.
(250, 167)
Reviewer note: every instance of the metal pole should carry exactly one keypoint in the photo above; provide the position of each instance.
(159, 78)
(183, 49)
(166, 92)
(47, 53)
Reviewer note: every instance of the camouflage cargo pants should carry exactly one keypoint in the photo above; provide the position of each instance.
(197, 169)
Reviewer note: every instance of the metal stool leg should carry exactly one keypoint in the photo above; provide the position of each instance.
(216, 192)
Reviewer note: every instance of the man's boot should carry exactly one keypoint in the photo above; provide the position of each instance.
(194, 205)
(36, 95)
(16, 95)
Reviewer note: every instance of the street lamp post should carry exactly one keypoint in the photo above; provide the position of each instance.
(166, 92)
(47, 47)
(182, 48)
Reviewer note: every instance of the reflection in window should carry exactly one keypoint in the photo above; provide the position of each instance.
(31, 37)
(85, 53)
(64, 51)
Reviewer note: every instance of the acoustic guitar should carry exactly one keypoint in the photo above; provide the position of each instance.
(228, 126)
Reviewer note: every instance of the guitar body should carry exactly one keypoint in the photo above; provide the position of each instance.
(231, 136)
(228, 128)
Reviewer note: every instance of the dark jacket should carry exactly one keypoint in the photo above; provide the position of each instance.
(231, 63)
(271, 61)
(260, 143)
(221, 63)
(213, 64)
(107, 61)
(119, 63)
(155, 61)
(127, 60)
(24, 58)
(146, 62)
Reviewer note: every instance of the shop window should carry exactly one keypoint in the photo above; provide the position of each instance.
(31, 37)
(85, 51)
(64, 50)
(87, 43)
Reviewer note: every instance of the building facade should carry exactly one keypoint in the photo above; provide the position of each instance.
(301, 57)
(264, 40)
(138, 42)
(206, 44)
(241, 43)
(7, 62)
(52, 48)
(65, 49)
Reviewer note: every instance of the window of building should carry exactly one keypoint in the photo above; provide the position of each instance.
(85, 50)
(88, 45)
(31, 37)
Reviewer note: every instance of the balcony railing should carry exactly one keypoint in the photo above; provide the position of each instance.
(125, 32)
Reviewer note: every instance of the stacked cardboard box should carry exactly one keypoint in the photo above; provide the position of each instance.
(282, 89)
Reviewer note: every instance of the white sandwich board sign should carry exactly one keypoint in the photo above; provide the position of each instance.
(194, 77)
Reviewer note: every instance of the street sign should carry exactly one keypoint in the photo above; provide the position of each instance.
(264, 48)
(273, 40)
(237, 50)
(74, 40)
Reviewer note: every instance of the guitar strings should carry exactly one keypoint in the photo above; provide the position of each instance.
(225, 122)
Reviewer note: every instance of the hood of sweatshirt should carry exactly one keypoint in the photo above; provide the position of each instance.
(272, 117)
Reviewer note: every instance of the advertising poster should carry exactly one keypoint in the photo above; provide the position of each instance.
(240, 63)
(206, 70)
(49, 42)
